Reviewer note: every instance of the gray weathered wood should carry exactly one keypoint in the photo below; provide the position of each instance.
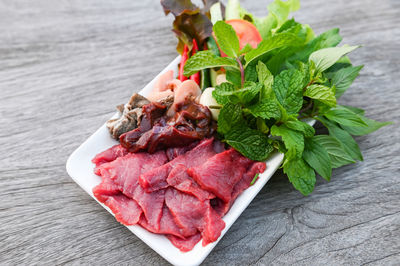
(64, 65)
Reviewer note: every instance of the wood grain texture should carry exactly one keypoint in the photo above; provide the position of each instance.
(64, 65)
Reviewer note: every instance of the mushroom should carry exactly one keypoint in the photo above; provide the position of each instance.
(208, 100)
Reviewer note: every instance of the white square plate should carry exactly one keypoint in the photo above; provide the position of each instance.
(80, 168)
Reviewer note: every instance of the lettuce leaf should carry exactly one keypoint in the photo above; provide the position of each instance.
(191, 22)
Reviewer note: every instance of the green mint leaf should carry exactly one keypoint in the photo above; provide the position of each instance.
(301, 175)
(372, 126)
(265, 109)
(206, 59)
(261, 125)
(230, 114)
(330, 38)
(247, 48)
(220, 92)
(317, 157)
(344, 116)
(249, 91)
(264, 77)
(213, 46)
(304, 32)
(251, 143)
(288, 88)
(226, 38)
(326, 57)
(341, 63)
(250, 73)
(233, 75)
(349, 144)
(355, 110)
(289, 25)
(343, 78)
(301, 126)
(226, 92)
(294, 141)
(276, 41)
(321, 93)
(307, 71)
(338, 155)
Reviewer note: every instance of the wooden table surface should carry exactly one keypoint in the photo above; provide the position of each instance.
(64, 65)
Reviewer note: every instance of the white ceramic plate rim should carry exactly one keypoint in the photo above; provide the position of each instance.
(80, 168)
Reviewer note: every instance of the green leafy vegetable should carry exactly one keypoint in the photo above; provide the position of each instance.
(265, 109)
(321, 93)
(327, 39)
(325, 58)
(223, 92)
(372, 126)
(293, 140)
(317, 157)
(307, 130)
(251, 143)
(347, 141)
(230, 114)
(206, 59)
(301, 175)
(277, 41)
(343, 78)
(344, 117)
(273, 90)
(288, 87)
(338, 155)
(227, 38)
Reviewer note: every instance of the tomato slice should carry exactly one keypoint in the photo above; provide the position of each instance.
(246, 32)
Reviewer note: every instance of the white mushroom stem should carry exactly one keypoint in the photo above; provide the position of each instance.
(209, 101)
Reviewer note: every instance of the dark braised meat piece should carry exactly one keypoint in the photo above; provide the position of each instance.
(130, 116)
(190, 123)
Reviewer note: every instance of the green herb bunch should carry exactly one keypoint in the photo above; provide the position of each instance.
(276, 90)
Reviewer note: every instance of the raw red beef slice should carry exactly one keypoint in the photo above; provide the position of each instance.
(244, 183)
(167, 225)
(157, 178)
(193, 215)
(126, 210)
(109, 155)
(186, 244)
(180, 180)
(220, 173)
(223, 207)
(124, 172)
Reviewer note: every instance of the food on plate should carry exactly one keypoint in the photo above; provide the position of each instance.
(129, 118)
(157, 130)
(180, 197)
(245, 88)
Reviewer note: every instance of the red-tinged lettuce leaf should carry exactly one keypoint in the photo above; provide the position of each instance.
(178, 7)
(195, 26)
(190, 22)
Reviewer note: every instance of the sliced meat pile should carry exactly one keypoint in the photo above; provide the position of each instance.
(182, 193)
(157, 130)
